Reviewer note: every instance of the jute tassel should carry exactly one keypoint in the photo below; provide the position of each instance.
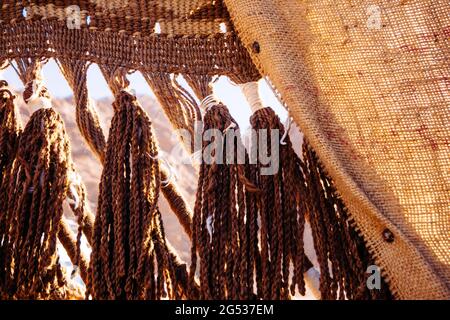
(341, 252)
(301, 190)
(36, 190)
(36, 95)
(281, 214)
(10, 135)
(130, 258)
(75, 73)
(34, 193)
(10, 129)
(281, 209)
(116, 78)
(220, 231)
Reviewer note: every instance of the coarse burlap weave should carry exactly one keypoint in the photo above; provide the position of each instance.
(373, 99)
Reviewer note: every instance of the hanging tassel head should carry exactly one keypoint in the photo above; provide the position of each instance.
(36, 191)
(281, 215)
(219, 237)
(10, 130)
(130, 257)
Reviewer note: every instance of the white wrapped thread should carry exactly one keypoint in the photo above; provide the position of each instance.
(208, 102)
(130, 91)
(36, 100)
(74, 182)
(287, 127)
(250, 90)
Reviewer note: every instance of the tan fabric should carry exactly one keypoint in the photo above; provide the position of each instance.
(374, 104)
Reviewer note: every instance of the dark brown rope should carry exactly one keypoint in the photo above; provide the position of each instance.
(10, 130)
(130, 258)
(281, 213)
(335, 239)
(218, 239)
(29, 71)
(36, 190)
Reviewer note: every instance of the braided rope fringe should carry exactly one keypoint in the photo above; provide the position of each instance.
(37, 187)
(342, 254)
(130, 258)
(281, 212)
(219, 234)
(10, 130)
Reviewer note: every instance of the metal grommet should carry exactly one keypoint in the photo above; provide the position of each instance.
(255, 47)
(388, 236)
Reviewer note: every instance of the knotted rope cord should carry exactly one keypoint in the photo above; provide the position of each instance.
(10, 130)
(264, 118)
(336, 240)
(36, 190)
(35, 94)
(129, 246)
(220, 231)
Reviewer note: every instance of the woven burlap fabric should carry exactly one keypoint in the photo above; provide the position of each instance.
(183, 36)
(374, 103)
(137, 17)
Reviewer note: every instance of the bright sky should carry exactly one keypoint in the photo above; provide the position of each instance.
(228, 93)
